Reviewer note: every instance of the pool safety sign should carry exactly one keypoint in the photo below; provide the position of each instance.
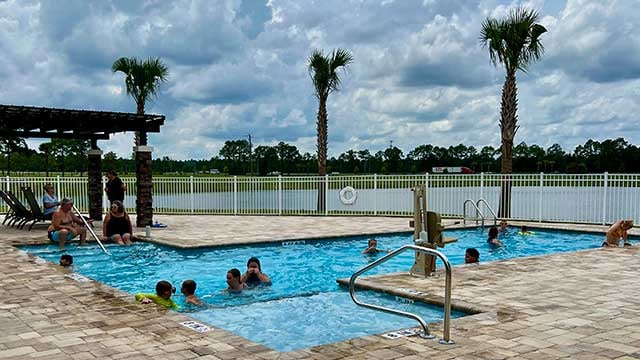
(196, 326)
(402, 333)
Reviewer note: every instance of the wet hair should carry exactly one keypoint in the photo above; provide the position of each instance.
(68, 258)
(189, 286)
(473, 252)
(493, 232)
(372, 239)
(234, 272)
(255, 260)
(523, 228)
(119, 204)
(163, 286)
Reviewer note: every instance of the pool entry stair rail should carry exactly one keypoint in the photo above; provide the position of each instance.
(479, 215)
(79, 214)
(446, 333)
(486, 204)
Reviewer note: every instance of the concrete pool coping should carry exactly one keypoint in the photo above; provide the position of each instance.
(551, 306)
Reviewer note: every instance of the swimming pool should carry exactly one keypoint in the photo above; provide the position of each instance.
(305, 306)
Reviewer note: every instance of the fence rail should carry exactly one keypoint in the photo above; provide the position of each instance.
(588, 198)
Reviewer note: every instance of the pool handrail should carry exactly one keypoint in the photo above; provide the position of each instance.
(79, 214)
(478, 212)
(446, 334)
(486, 204)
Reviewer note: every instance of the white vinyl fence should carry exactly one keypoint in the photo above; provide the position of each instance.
(587, 198)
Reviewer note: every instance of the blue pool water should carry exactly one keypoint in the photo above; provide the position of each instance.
(304, 306)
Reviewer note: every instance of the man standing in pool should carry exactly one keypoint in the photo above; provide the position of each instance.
(372, 247)
(254, 275)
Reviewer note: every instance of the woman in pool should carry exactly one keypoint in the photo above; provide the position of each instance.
(618, 231)
(503, 226)
(236, 285)
(117, 225)
(254, 275)
(493, 237)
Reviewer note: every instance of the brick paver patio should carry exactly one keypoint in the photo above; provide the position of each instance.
(581, 305)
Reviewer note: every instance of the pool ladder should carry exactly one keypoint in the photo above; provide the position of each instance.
(479, 215)
(446, 333)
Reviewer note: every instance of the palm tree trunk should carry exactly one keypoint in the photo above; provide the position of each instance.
(322, 120)
(508, 127)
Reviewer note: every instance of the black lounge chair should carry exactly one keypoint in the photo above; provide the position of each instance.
(20, 214)
(11, 216)
(36, 211)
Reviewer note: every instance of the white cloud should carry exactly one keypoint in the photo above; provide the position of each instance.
(237, 67)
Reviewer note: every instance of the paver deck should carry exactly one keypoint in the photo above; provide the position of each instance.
(581, 305)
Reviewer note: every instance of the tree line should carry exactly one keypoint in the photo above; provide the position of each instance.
(237, 157)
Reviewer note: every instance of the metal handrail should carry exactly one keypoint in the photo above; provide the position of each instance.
(446, 334)
(483, 201)
(478, 212)
(79, 214)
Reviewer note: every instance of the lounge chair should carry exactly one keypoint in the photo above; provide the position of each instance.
(19, 213)
(11, 215)
(36, 211)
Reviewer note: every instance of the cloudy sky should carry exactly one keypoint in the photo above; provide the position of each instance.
(239, 67)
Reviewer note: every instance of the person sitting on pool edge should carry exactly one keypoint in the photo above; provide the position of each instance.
(234, 280)
(618, 231)
(65, 225)
(254, 275)
(66, 260)
(372, 247)
(493, 237)
(164, 289)
(188, 289)
(471, 256)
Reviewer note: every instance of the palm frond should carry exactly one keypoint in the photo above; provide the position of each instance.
(142, 78)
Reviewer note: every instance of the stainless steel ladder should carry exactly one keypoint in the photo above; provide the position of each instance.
(479, 214)
(486, 204)
(446, 333)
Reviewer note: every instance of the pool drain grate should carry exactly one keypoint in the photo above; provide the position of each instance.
(401, 333)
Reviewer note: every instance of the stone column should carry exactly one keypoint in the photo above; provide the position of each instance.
(94, 172)
(144, 186)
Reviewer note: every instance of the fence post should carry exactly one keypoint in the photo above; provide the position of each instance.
(326, 194)
(105, 202)
(279, 194)
(235, 195)
(604, 198)
(540, 192)
(8, 182)
(482, 185)
(60, 194)
(375, 194)
(191, 192)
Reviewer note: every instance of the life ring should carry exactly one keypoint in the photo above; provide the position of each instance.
(348, 195)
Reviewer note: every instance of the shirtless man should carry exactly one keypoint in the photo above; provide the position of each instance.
(65, 225)
(618, 231)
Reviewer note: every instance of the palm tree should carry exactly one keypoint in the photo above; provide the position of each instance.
(143, 78)
(514, 42)
(323, 70)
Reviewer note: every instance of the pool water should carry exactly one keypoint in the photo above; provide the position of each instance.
(304, 306)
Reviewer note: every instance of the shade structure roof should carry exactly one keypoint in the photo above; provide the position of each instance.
(41, 122)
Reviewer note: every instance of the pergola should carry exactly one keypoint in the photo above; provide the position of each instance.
(41, 122)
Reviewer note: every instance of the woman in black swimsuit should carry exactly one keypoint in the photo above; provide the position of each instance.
(117, 225)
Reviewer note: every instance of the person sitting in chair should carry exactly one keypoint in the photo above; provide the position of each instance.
(49, 202)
